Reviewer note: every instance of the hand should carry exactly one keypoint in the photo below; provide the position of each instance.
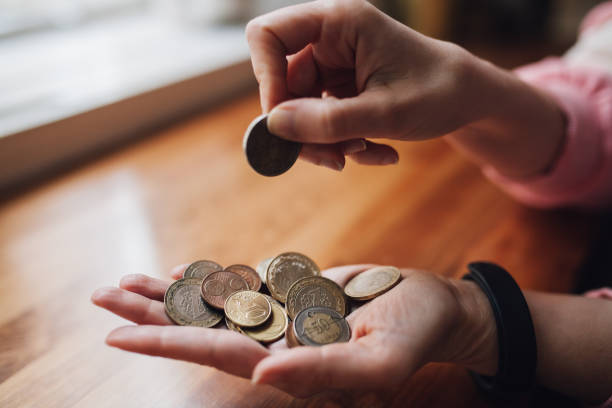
(424, 318)
(392, 81)
(333, 73)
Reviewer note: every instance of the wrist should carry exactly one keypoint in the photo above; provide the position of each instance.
(473, 341)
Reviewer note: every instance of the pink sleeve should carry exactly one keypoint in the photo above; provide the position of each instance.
(582, 175)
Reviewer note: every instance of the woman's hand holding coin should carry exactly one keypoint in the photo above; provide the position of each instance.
(421, 319)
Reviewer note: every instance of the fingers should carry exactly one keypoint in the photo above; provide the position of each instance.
(302, 74)
(307, 370)
(342, 274)
(329, 156)
(145, 285)
(177, 271)
(131, 306)
(223, 349)
(271, 38)
(332, 120)
(376, 154)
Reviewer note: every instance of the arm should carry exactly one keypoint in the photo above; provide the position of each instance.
(334, 73)
(573, 336)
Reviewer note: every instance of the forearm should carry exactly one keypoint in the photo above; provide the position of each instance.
(573, 337)
(517, 129)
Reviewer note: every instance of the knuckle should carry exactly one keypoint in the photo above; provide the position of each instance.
(132, 281)
(333, 120)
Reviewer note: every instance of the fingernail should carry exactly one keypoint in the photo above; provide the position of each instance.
(281, 122)
(354, 146)
(389, 160)
(332, 164)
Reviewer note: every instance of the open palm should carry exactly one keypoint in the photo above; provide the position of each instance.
(392, 336)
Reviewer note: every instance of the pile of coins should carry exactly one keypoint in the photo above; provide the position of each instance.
(251, 301)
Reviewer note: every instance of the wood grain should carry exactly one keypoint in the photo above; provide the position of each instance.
(187, 193)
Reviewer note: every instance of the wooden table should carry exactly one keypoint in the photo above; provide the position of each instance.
(187, 193)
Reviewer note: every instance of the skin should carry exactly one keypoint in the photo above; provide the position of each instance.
(334, 73)
(425, 318)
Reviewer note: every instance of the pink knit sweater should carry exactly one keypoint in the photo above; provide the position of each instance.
(581, 83)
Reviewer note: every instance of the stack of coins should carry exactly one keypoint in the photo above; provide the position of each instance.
(252, 300)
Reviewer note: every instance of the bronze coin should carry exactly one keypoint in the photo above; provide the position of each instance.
(201, 269)
(247, 308)
(184, 304)
(372, 282)
(286, 269)
(318, 326)
(248, 274)
(268, 155)
(217, 287)
(315, 291)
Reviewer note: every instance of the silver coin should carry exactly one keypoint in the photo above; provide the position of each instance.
(267, 154)
(201, 269)
(318, 326)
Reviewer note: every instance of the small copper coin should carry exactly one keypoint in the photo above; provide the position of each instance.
(262, 268)
(248, 274)
(268, 155)
(286, 269)
(315, 291)
(201, 269)
(373, 282)
(247, 308)
(290, 336)
(218, 286)
(318, 326)
(184, 304)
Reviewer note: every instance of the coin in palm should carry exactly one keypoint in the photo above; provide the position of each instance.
(286, 269)
(318, 326)
(201, 269)
(372, 282)
(218, 286)
(247, 308)
(315, 291)
(248, 274)
(184, 304)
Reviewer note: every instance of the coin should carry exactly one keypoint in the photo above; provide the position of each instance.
(232, 326)
(184, 304)
(290, 336)
(271, 330)
(201, 269)
(318, 326)
(217, 287)
(315, 291)
(268, 155)
(248, 274)
(287, 268)
(262, 268)
(373, 282)
(247, 308)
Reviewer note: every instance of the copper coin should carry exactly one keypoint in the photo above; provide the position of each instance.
(268, 155)
(201, 269)
(318, 326)
(217, 287)
(315, 291)
(286, 269)
(373, 282)
(184, 304)
(247, 308)
(248, 274)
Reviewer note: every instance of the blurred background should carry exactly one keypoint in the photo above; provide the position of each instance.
(77, 76)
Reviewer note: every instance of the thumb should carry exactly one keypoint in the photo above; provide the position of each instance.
(330, 120)
(305, 371)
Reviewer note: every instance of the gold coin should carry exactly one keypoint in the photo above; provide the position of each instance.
(290, 336)
(315, 291)
(233, 327)
(373, 282)
(286, 269)
(271, 330)
(262, 268)
(318, 326)
(247, 308)
(185, 306)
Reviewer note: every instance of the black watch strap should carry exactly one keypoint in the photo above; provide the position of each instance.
(515, 332)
